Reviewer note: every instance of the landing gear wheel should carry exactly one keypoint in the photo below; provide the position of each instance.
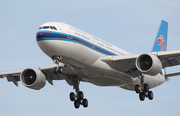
(146, 87)
(137, 89)
(60, 70)
(150, 95)
(80, 95)
(85, 103)
(72, 96)
(76, 104)
(142, 96)
(143, 89)
(55, 70)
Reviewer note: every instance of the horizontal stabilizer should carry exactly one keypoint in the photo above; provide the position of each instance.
(172, 74)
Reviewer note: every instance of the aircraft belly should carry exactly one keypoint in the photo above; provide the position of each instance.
(103, 81)
(152, 81)
(101, 74)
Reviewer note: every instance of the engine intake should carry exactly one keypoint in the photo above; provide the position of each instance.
(149, 64)
(33, 79)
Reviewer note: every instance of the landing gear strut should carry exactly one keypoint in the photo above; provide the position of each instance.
(57, 70)
(78, 98)
(56, 60)
(143, 90)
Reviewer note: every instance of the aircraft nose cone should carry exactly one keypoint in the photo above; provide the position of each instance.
(40, 36)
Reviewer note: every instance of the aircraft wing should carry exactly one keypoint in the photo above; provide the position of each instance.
(14, 76)
(126, 63)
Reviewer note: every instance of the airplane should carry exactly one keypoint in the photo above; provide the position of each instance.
(81, 57)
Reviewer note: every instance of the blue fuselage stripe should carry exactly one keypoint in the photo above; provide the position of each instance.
(49, 35)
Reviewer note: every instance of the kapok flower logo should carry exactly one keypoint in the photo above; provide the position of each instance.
(162, 43)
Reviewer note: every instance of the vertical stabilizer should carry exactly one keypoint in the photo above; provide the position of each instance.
(160, 43)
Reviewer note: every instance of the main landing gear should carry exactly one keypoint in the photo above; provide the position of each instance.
(78, 97)
(143, 90)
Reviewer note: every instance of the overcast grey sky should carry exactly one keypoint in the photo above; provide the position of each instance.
(129, 24)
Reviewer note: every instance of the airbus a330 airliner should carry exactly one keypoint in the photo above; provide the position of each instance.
(81, 57)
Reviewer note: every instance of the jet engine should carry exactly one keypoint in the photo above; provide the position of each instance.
(149, 64)
(33, 78)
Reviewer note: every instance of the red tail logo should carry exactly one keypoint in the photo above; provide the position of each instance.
(162, 43)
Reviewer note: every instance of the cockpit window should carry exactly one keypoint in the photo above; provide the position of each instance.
(40, 28)
(51, 27)
(54, 28)
(48, 27)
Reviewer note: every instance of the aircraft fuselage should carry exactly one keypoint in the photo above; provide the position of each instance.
(83, 52)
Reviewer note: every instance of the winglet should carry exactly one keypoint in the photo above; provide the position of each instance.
(160, 43)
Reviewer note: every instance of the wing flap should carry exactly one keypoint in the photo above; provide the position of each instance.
(12, 76)
(169, 58)
(173, 61)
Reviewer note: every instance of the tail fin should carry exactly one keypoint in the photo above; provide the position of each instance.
(160, 43)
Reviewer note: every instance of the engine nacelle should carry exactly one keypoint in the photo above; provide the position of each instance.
(33, 78)
(149, 64)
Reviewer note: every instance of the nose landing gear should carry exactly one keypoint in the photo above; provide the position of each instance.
(57, 60)
(78, 98)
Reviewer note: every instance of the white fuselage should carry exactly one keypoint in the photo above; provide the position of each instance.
(83, 52)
